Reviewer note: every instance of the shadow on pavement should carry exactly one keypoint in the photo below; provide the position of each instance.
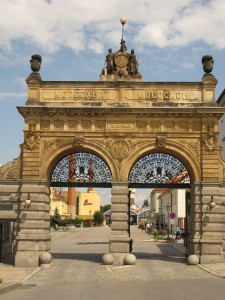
(160, 257)
(93, 243)
(93, 257)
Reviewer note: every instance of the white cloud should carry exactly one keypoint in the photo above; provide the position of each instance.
(80, 24)
(4, 96)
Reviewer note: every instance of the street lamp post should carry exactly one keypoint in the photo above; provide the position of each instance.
(160, 217)
(168, 214)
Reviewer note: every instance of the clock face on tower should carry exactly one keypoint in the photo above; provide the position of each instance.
(121, 60)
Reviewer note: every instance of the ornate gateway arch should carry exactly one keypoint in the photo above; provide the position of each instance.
(119, 119)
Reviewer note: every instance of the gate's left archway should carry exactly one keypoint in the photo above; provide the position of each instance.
(120, 119)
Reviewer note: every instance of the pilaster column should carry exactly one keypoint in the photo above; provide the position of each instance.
(119, 238)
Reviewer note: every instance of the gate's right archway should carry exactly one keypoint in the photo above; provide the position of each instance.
(161, 170)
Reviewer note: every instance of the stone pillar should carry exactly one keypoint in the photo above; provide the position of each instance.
(119, 238)
(207, 224)
(32, 227)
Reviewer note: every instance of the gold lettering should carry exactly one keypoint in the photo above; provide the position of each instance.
(172, 95)
(141, 95)
(178, 95)
(57, 94)
(147, 95)
(160, 94)
(154, 95)
(166, 95)
(63, 94)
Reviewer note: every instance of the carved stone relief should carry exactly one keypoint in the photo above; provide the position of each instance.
(32, 141)
(58, 124)
(10, 170)
(183, 125)
(169, 125)
(32, 125)
(191, 146)
(79, 140)
(100, 125)
(161, 141)
(155, 125)
(120, 149)
(86, 125)
(196, 126)
(210, 140)
(45, 124)
(72, 124)
(141, 125)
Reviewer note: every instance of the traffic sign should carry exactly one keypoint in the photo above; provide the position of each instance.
(172, 215)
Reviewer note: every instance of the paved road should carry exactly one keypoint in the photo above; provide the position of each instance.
(76, 271)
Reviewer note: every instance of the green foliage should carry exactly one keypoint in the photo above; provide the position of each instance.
(155, 233)
(103, 209)
(98, 217)
(145, 203)
(70, 222)
(1, 280)
(56, 218)
(162, 232)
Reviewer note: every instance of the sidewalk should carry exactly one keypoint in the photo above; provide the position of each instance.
(217, 269)
(13, 277)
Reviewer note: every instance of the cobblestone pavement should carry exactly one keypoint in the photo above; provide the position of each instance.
(77, 271)
(77, 257)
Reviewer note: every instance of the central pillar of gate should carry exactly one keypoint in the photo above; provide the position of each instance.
(119, 239)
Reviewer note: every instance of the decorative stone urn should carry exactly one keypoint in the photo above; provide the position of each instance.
(35, 62)
(207, 62)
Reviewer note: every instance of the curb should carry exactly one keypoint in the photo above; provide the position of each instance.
(10, 287)
(210, 271)
(203, 267)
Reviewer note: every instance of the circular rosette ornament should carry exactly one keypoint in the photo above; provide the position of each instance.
(120, 149)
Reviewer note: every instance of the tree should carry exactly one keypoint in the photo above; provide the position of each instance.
(103, 209)
(145, 203)
(56, 218)
(98, 217)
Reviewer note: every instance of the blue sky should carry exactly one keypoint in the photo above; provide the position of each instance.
(73, 36)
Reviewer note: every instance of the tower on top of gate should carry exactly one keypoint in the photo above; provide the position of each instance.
(121, 65)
